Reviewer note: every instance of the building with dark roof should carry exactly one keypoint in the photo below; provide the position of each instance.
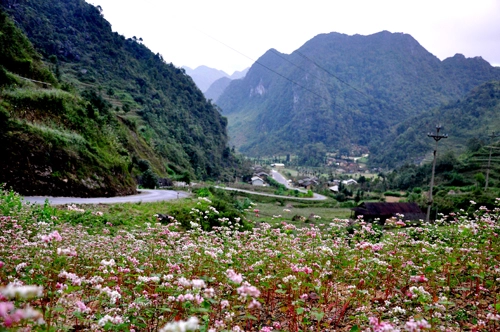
(383, 211)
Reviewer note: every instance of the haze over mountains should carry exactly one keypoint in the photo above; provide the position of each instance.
(205, 76)
(344, 92)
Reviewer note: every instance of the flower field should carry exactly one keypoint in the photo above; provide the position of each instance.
(59, 276)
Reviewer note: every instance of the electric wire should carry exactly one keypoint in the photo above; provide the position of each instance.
(268, 68)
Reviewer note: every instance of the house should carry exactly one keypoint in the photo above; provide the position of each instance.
(256, 181)
(262, 175)
(349, 182)
(308, 182)
(334, 188)
(383, 211)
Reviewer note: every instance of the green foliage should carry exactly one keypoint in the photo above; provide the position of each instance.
(149, 179)
(18, 55)
(168, 119)
(468, 121)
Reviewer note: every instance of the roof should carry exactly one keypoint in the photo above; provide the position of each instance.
(388, 209)
(256, 178)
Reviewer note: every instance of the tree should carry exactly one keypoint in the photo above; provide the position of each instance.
(480, 179)
(149, 179)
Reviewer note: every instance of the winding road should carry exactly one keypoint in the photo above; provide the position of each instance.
(149, 195)
(316, 197)
(145, 195)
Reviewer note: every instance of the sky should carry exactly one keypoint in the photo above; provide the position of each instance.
(231, 35)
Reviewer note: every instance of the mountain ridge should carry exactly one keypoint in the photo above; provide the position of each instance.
(389, 76)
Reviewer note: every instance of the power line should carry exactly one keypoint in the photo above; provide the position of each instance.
(331, 74)
(272, 70)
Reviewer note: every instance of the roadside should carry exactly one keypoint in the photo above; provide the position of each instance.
(316, 197)
(145, 195)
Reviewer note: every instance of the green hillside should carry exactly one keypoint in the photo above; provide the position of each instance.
(467, 121)
(112, 107)
(346, 92)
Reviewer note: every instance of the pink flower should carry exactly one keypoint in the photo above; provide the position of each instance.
(254, 304)
(420, 278)
(247, 290)
(417, 326)
(379, 326)
(235, 277)
(82, 307)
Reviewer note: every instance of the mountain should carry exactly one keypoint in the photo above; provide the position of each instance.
(114, 110)
(467, 121)
(345, 92)
(217, 88)
(239, 74)
(204, 76)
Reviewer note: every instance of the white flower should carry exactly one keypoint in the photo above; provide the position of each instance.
(181, 326)
(12, 291)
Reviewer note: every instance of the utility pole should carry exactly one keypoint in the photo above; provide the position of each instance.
(436, 137)
(492, 136)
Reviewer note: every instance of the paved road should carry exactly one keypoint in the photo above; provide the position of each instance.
(145, 195)
(280, 178)
(316, 197)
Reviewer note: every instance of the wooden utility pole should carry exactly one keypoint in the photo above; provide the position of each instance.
(436, 137)
(492, 136)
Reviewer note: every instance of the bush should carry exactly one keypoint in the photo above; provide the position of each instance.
(149, 179)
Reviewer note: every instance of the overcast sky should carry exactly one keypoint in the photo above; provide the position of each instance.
(231, 34)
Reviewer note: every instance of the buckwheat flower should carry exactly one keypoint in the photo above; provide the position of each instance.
(379, 326)
(114, 320)
(20, 267)
(198, 283)
(1, 264)
(266, 329)
(248, 290)
(234, 277)
(67, 252)
(224, 304)
(209, 292)
(182, 326)
(111, 262)
(494, 317)
(12, 291)
(254, 304)
(417, 326)
(55, 236)
(420, 278)
(81, 307)
(30, 313)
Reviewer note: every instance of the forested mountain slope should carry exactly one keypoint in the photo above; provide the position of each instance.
(342, 91)
(468, 123)
(53, 142)
(153, 110)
